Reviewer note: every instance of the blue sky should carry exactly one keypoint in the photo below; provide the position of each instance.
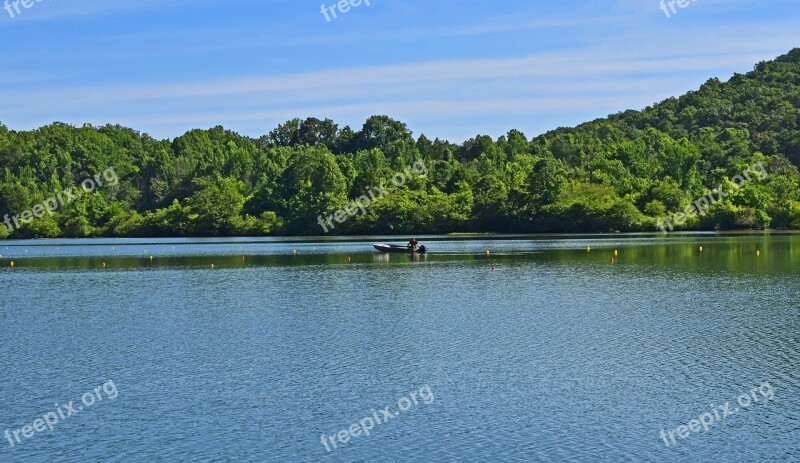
(449, 69)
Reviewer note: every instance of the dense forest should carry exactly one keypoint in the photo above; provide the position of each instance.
(620, 173)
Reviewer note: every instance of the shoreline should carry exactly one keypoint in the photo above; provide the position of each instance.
(182, 240)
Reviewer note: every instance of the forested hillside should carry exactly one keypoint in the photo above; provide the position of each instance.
(618, 173)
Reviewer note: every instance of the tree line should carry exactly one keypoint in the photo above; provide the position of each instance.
(620, 173)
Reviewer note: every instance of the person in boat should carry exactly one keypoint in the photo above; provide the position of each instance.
(413, 244)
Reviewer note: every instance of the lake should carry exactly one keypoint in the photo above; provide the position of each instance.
(684, 348)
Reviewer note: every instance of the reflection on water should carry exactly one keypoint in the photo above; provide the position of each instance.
(556, 355)
(748, 253)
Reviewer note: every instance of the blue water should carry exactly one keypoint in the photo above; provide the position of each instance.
(540, 351)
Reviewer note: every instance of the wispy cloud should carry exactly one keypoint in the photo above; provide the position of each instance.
(66, 9)
(548, 69)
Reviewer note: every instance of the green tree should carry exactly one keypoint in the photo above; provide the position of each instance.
(216, 205)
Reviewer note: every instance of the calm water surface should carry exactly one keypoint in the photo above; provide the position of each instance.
(539, 351)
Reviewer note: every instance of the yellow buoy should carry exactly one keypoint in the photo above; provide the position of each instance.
(758, 253)
(12, 263)
(588, 249)
(488, 252)
(151, 257)
(701, 249)
(616, 252)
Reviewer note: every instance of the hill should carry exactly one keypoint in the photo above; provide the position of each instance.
(632, 171)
